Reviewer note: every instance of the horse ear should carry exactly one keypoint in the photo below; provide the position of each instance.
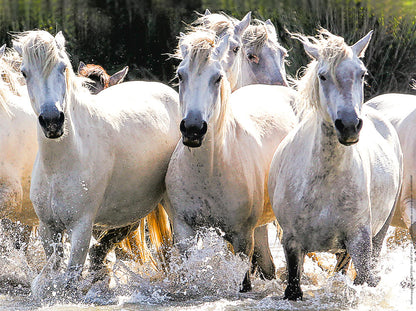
(207, 12)
(60, 40)
(311, 50)
(242, 25)
(18, 47)
(183, 48)
(221, 49)
(80, 66)
(2, 50)
(119, 76)
(270, 27)
(360, 47)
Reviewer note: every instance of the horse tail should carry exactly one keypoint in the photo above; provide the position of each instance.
(154, 228)
(135, 246)
(160, 233)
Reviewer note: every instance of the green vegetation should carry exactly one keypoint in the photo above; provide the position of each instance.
(115, 33)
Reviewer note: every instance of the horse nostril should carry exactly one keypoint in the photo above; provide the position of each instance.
(182, 127)
(42, 121)
(204, 128)
(61, 117)
(359, 125)
(339, 125)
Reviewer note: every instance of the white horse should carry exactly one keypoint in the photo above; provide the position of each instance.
(334, 180)
(99, 165)
(254, 55)
(18, 147)
(218, 172)
(400, 110)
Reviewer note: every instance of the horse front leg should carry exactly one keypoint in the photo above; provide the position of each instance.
(243, 243)
(262, 257)
(80, 236)
(295, 258)
(359, 246)
(51, 238)
(183, 235)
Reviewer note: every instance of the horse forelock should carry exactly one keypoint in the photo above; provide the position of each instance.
(332, 51)
(40, 49)
(200, 44)
(255, 36)
(221, 23)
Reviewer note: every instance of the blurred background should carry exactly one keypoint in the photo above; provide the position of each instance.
(140, 33)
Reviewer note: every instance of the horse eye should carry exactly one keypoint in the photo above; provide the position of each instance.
(24, 74)
(253, 58)
(236, 49)
(322, 77)
(218, 80)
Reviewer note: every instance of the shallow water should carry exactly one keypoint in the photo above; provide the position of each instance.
(209, 280)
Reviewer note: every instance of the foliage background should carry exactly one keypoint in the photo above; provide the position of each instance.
(139, 33)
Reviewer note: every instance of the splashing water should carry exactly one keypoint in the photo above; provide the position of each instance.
(209, 278)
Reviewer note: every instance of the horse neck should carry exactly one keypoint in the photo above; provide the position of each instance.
(327, 150)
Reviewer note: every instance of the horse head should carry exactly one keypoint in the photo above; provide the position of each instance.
(337, 78)
(99, 78)
(45, 67)
(202, 80)
(264, 55)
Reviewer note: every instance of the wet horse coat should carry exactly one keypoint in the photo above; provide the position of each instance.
(217, 173)
(99, 165)
(334, 180)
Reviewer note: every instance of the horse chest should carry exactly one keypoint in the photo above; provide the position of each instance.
(208, 198)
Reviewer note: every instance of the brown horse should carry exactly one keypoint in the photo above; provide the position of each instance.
(100, 79)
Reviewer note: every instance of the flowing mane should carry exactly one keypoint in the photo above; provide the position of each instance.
(256, 36)
(332, 50)
(220, 23)
(11, 79)
(40, 48)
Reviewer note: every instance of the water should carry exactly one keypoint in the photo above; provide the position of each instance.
(209, 279)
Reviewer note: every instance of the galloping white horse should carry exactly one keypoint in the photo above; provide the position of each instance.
(254, 57)
(218, 172)
(99, 164)
(18, 145)
(334, 180)
(254, 54)
(400, 110)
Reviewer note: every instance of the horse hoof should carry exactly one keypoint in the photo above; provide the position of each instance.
(246, 288)
(293, 293)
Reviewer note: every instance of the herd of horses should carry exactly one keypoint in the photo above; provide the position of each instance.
(236, 149)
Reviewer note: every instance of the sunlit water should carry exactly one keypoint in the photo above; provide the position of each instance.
(209, 279)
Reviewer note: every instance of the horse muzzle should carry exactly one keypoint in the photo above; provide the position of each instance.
(348, 132)
(52, 123)
(193, 134)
